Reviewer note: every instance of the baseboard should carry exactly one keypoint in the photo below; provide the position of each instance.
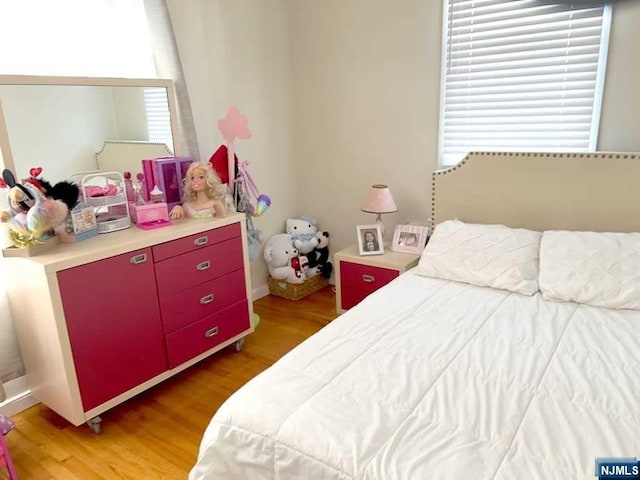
(19, 397)
(261, 291)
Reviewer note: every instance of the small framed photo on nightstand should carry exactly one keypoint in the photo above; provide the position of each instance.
(409, 239)
(370, 239)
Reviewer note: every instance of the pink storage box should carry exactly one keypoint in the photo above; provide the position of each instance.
(167, 173)
(151, 215)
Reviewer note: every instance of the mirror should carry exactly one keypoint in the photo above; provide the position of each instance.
(61, 123)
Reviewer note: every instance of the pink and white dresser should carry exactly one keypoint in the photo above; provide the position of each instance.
(103, 320)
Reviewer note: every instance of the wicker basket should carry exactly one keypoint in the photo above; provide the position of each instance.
(296, 291)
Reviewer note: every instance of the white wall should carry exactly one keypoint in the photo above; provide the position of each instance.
(130, 115)
(11, 365)
(620, 119)
(366, 79)
(237, 53)
(71, 124)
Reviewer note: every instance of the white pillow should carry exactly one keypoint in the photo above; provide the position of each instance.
(485, 255)
(600, 269)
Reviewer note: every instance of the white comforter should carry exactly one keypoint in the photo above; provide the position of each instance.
(430, 379)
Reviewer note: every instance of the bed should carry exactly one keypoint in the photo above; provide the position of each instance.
(511, 351)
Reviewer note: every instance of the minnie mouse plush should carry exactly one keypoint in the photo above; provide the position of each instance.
(35, 206)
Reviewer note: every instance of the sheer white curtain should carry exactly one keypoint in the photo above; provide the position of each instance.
(168, 65)
(107, 38)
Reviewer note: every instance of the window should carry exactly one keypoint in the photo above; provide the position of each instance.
(156, 105)
(521, 75)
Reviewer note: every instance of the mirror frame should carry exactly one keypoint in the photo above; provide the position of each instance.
(6, 156)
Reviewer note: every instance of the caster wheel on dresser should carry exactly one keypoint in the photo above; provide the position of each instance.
(239, 344)
(94, 424)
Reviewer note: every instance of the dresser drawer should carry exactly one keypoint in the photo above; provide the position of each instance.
(365, 277)
(186, 306)
(193, 268)
(195, 242)
(204, 334)
(351, 296)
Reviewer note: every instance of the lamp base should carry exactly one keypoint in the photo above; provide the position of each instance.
(381, 223)
(382, 230)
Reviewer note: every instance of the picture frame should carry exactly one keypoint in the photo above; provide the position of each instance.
(370, 241)
(409, 239)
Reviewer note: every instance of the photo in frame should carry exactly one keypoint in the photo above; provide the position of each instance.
(409, 239)
(370, 239)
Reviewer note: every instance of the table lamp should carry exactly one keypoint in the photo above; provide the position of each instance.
(379, 201)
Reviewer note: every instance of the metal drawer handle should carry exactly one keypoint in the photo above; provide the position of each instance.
(207, 299)
(368, 278)
(211, 333)
(137, 259)
(201, 241)
(203, 266)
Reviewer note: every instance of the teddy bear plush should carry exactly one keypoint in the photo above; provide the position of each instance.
(282, 259)
(319, 257)
(303, 233)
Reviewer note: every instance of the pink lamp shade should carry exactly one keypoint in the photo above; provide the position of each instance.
(379, 201)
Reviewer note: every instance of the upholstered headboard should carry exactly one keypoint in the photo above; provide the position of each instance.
(122, 155)
(541, 191)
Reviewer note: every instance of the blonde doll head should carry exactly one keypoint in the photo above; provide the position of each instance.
(201, 177)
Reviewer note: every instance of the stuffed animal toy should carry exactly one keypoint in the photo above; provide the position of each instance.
(35, 207)
(298, 265)
(303, 233)
(279, 253)
(319, 257)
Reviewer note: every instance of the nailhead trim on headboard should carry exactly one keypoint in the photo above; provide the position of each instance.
(471, 155)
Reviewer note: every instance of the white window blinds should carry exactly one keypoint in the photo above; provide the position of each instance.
(522, 75)
(156, 105)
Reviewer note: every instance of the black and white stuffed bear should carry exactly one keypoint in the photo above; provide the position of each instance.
(319, 256)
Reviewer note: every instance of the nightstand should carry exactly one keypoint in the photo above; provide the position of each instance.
(357, 276)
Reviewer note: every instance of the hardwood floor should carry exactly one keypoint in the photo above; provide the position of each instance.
(156, 434)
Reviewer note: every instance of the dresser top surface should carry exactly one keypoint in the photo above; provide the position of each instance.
(390, 259)
(67, 255)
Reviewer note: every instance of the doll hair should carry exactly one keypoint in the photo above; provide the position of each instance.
(214, 188)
